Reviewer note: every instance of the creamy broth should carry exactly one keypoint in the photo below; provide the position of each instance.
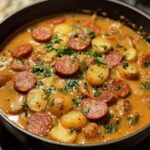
(76, 78)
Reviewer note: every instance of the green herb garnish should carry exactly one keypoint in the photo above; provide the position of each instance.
(49, 90)
(50, 44)
(145, 85)
(125, 65)
(75, 102)
(85, 109)
(110, 128)
(40, 70)
(65, 51)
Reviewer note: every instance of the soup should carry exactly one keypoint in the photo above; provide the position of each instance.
(76, 78)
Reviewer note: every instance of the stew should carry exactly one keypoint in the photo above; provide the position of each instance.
(76, 78)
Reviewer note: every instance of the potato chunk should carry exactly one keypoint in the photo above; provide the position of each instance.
(129, 72)
(62, 29)
(60, 104)
(101, 45)
(73, 120)
(96, 75)
(61, 134)
(36, 100)
(130, 54)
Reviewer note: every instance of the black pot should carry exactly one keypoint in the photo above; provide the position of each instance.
(114, 10)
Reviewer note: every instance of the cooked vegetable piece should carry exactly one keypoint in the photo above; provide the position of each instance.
(62, 134)
(130, 54)
(129, 71)
(62, 104)
(62, 29)
(36, 100)
(101, 45)
(73, 120)
(96, 75)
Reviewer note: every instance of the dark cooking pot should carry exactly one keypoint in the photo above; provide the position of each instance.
(114, 10)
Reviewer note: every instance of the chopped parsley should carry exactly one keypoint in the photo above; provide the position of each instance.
(97, 93)
(71, 84)
(120, 46)
(80, 75)
(125, 65)
(85, 109)
(49, 90)
(39, 84)
(101, 76)
(22, 60)
(117, 87)
(98, 57)
(145, 85)
(65, 51)
(110, 128)
(75, 102)
(90, 33)
(49, 45)
(25, 106)
(43, 71)
(133, 119)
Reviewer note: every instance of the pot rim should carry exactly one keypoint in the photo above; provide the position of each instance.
(48, 141)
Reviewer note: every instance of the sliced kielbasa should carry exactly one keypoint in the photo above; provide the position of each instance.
(22, 51)
(24, 81)
(144, 60)
(94, 109)
(39, 124)
(66, 66)
(107, 97)
(41, 34)
(80, 41)
(113, 59)
(119, 88)
(58, 20)
(4, 78)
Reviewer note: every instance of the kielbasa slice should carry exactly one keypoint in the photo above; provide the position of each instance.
(144, 60)
(94, 109)
(4, 78)
(58, 20)
(80, 41)
(39, 124)
(113, 59)
(119, 88)
(107, 97)
(66, 66)
(24, 81)
(41, 34)
(22, 51)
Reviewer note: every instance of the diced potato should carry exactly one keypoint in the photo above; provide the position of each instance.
(130, 72)
(60, 104)
(101, 45)
(62, 29)
(130, 54)
(96, 75)
(49, 57)
(36, 100)
(61, 134)
(73, 120)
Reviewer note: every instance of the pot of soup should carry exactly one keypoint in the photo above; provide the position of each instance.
(76, 75)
